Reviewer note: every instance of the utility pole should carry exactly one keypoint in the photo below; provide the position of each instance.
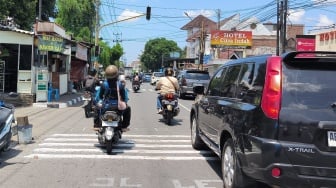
(218, 27)
(284, 35)
(117, 38)
(281, 39)
(97, 23)
(202, 46)
(278, 29)
(40, 10)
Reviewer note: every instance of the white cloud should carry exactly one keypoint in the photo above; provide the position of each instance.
(192, 14)
(126, 14)
(324, 21)
(295, 16)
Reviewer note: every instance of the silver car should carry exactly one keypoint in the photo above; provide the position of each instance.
(188, 79)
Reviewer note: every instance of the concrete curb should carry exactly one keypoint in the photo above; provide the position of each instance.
(58, 104)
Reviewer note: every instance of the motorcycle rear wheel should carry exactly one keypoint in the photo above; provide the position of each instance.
(169, 117)
(109, 144)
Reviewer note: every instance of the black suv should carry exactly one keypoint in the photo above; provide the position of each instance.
(271, 119)
(188, 79)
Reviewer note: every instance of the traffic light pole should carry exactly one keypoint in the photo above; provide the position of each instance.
(100, 27)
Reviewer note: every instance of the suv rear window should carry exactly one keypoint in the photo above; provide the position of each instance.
(159, 74)
(307, 88)
(197, 75)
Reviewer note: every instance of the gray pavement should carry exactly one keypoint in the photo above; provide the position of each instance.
(65, 100)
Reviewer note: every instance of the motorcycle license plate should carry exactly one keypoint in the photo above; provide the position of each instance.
(110, 123)
(331, 138)
(86, 99)
(168, 102)
(196, 84)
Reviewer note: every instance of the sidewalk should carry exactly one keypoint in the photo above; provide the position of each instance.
(64, 101)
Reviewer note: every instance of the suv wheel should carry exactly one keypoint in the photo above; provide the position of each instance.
(231, 172)
(196, 141)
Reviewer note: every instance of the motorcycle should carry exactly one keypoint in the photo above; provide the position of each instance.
(87, 98)
(6, 120)
(90, 101)
(136, 86)
(170, 107)
(109, 132)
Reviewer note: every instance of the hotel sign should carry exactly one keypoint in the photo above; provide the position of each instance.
(232, 39)
(50, 43)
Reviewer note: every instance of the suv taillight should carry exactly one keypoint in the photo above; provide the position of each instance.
(270, 102)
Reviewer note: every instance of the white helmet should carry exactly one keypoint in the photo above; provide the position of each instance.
(122, 77)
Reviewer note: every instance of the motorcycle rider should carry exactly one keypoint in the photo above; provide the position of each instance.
(166, 84)
(91, 81)
(108, 90)
(122, 79)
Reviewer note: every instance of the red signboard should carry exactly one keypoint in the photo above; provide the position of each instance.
(305, 43)
(241, 39)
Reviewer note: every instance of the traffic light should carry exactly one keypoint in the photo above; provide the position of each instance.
(148, 13)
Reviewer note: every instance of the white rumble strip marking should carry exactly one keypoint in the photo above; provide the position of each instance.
(130, 147)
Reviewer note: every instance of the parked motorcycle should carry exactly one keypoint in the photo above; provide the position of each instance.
(170, 107)
(109, 133)
(6, 120)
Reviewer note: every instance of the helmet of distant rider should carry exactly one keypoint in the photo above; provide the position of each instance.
(111, 72)
(169, 72)
(122, 78)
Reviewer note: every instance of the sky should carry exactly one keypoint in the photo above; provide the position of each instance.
(169, 16)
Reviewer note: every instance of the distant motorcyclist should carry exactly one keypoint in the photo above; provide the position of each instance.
(166, 84)
(108, 91)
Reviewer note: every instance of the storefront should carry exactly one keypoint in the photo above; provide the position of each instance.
(16, 59)
(79, 65)
(52, 59)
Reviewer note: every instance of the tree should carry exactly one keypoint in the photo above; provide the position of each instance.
(77, 17)
(48, 9)
(116, 53)
(105, 54)
(24, 12)
(156, 50)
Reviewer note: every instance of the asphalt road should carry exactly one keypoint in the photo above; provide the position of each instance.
(65, 151)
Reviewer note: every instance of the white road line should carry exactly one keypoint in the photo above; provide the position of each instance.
(99, 150)
(186, 108)
(118, 145)
(124, 135)
(96, 140)
(71, 156)
(143, 147)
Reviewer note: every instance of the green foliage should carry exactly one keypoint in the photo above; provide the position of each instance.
(110, 56)
(77, 17)
(48, 9)
(157, 50)
(24, 12)
(104, 57)
(116, 53)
